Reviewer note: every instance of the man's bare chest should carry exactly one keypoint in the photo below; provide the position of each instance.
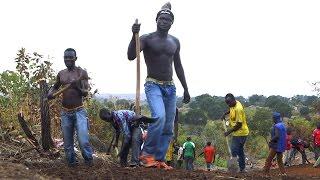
(157, 47)
(67, 77)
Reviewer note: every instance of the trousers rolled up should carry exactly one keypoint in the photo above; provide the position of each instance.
(72, 121)
(162, 104)
(272, 154)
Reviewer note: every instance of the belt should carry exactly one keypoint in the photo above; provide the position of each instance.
(72, 109)
(149, 79)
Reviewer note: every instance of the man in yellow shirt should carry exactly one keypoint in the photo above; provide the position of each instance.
(239, 129)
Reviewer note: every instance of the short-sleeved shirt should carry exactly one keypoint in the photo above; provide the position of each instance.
(209, 152)
(123, 119)
(180, 152)
(189, 149)
(288, 141)
(237, 114)
(316, 137)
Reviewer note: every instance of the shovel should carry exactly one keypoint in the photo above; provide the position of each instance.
(232, 163)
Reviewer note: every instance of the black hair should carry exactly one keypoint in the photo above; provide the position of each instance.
(105, 114)
(209, 143)
(71, 49)
(230, 96)
(188, 138)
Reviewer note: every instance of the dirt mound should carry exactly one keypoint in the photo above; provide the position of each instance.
(15, 164)
(106, 170)
(102, 169)
(17, 171)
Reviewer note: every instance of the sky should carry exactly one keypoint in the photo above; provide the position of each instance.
(268, 47)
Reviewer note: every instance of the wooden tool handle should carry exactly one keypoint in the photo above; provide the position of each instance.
(227, 139)
(137, 103)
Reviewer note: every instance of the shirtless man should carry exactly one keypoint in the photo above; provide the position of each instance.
(73, 115)
(160, 50)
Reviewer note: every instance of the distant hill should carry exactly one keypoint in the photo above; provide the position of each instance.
(120, 96)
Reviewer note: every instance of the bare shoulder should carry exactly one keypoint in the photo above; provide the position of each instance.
(82, 71)
(146, 36)
(64, 71)
(175, 39)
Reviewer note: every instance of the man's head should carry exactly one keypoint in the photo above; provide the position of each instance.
(230, 100)
(276, 117)
(209, 143)
(105, 115)
(189, 138)
(165, 17)
(318, 125)
(70, 56)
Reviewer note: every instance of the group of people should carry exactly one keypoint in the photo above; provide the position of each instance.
(283, 141)
(161, 51)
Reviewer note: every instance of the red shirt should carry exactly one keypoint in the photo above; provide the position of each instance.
(209, 153)
(288, 142)
(316, 137)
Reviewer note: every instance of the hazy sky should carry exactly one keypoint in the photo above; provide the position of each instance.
(244, 47)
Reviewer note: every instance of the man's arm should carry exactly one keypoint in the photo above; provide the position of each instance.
(180, 73)
(235, 128)
(132, 45)
(54, 88)
(117, 132)
(224, 115)
(84, 84)
(276, 135)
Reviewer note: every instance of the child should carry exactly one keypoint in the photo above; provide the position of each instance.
(288, 146)
(316, 145)
(189, 153)
(209, 155)
(298, 145)
(316, 141)
(276, 144)
(128, 123)
(179, 156)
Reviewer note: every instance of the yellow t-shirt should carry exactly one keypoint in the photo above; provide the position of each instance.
(237, 115)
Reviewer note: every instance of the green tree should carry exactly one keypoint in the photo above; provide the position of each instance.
(261, 123)
(212, 106)
(195, 117)
(310, 100)
(279, 104)
(304, 111)
(243, 101)
(257, 100)
(123, 104)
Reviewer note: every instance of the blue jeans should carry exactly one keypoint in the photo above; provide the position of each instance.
(237, 145)
(189, 163)
(162, 104)
(136, 145)
(209, 166)
(134, 141)
(76, 120)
